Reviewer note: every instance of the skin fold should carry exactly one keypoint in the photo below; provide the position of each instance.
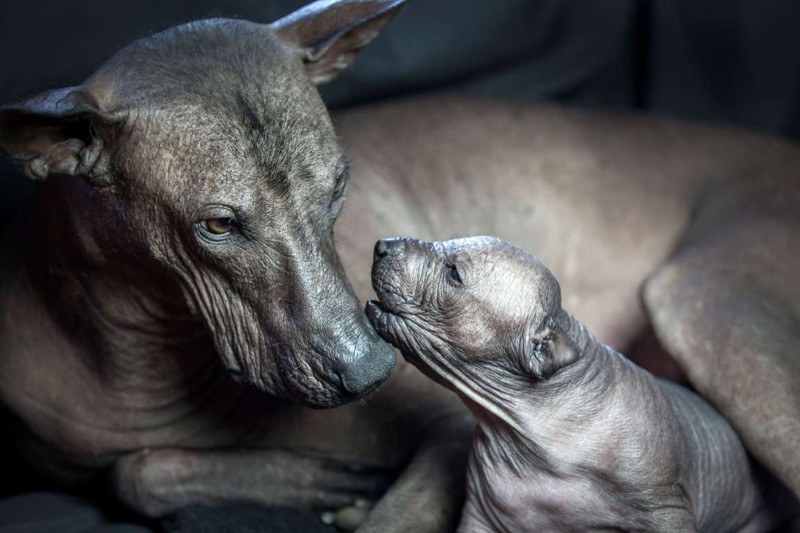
(571, 435)
(136, 346)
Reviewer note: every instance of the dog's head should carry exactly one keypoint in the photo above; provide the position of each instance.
(203, 158)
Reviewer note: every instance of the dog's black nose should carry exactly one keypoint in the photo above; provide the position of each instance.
(386, 247)
(365, 374)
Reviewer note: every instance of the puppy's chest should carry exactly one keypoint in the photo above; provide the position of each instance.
(519, 497)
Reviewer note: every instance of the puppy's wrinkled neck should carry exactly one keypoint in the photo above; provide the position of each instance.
(528, 415)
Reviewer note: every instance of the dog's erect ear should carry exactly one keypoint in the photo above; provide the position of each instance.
(57, 133)
(548, 350)
(331, 32)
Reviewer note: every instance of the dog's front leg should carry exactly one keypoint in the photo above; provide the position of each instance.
(429, 494)
(156, 482)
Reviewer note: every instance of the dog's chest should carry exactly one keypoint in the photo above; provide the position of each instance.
(66, 409)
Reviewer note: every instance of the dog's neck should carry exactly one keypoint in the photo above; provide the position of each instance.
(131, 329)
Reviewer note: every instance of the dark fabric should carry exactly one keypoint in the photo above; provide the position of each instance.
(729, 61)
(244, 519)
(49, 512)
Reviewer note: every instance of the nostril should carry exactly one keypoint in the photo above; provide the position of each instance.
(380, 249)
(386, 247)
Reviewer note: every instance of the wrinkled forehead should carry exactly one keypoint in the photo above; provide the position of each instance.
(492, 254)
(238, 106)
(202, 150)
(483, 250)
(506, 276)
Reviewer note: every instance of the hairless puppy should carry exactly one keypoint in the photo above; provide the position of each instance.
(571, 435)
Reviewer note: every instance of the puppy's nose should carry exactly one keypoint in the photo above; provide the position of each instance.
(392, 247)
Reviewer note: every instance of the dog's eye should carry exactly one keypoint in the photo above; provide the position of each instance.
(342, 174)
(453, 275)
(219, 226)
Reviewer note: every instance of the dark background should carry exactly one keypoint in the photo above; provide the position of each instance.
(731, 62)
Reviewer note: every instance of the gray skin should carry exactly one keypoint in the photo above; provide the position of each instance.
(172, 300)
(571, 435)
(126, 366)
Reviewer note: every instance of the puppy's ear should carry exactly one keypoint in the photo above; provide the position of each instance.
(548, 350)
(57, 133)
(330, 33)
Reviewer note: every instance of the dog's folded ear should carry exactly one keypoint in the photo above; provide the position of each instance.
(548, 350)
(330, 33)
(57, 133)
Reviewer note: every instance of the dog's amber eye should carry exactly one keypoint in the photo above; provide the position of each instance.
(339, 186)
(342, 173)
(219, 226)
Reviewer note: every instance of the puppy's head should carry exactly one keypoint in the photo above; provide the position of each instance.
(470, 312)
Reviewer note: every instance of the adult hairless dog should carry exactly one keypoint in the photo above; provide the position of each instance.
(183, 235)
(571, 435)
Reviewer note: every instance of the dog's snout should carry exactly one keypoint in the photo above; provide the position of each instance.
(392, 247)
(363, 376)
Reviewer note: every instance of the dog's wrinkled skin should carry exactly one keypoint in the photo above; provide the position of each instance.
(181, 243)
(173, 157)
(571, 435)
(126, 365)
